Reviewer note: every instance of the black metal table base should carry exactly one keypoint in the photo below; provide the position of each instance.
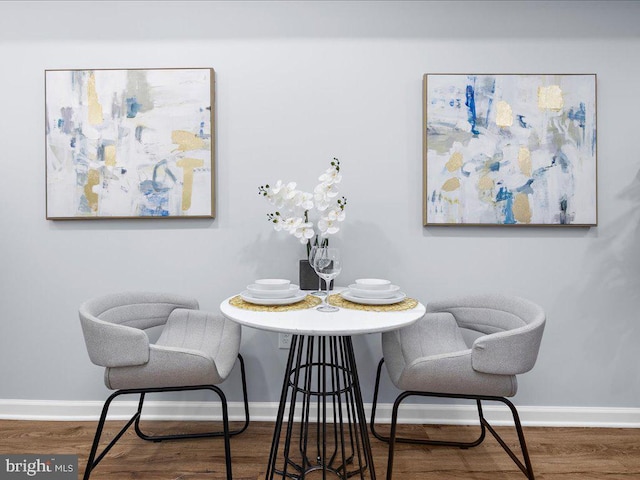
(325, 428)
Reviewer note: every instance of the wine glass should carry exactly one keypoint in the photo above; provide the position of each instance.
(327, 264)
(312, 254)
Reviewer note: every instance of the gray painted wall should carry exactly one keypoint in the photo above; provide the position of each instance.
(298, 83)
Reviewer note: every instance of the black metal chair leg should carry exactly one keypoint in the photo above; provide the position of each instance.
(245, 399)
(420, 441)
(526, 468)
(96, 441)
(372, 424)
(160, 438)
(92, 462)
(392, 439)
(225, 426)
(392, 435)
(226, 434)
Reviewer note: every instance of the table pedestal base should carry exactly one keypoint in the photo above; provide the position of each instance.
(325, 429)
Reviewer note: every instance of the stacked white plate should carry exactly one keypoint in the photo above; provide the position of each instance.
(272, 291)
(373, 291)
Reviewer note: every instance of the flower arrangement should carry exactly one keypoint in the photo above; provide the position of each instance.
(295, 206)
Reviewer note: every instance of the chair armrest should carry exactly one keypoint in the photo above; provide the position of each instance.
(112, 345)
(508, 353)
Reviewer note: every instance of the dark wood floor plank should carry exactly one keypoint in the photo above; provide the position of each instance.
(556, 453)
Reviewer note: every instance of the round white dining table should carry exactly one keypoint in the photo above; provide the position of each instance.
(311, 321)
(326, 428)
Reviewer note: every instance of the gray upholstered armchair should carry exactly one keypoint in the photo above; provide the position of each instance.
(196, 350)
(471, 347)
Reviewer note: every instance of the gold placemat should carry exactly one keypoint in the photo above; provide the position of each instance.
(308, 302)
(406, 304)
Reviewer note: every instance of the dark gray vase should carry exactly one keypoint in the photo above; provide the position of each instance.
(309, 278)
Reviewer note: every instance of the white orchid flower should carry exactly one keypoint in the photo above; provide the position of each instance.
(336, 215)
(279, 194)
(290, 224)
(283, 198)
(277, 224)
(329, 189)
(323, 193)
(304, 232)
(331, 176)
(307, 201)
(289, 191)
(271, 193)
(275, 190)
(301, 200)
(321, 202)
(327, 226)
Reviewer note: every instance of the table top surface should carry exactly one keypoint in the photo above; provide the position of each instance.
(310, 321)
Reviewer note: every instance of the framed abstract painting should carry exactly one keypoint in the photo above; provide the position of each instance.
(509, 150)
(129, 143)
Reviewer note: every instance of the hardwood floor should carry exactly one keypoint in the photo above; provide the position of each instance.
(556, 453)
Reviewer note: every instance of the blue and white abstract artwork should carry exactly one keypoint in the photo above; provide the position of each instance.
(510, 149)
(129, 143)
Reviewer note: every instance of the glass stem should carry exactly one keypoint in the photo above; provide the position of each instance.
(326, 297)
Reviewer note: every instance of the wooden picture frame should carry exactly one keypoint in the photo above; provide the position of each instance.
(509, 149)
(130, 143)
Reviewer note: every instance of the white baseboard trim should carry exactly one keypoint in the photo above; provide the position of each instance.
(611, 417)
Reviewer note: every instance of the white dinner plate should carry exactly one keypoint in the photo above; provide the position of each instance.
(398, 297)
(248, 297)
(389, 292)
(290, 291)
